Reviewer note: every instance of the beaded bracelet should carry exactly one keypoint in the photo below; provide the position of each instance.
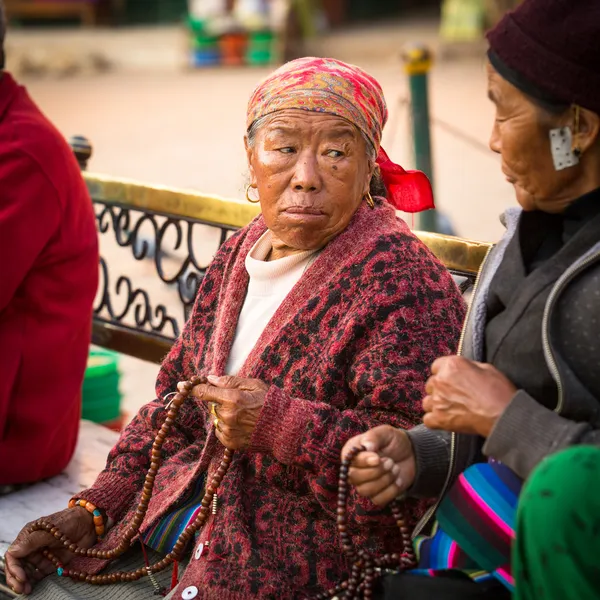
(96, 514)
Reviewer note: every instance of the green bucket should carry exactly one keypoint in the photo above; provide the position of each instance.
(260, 48)
(101, 399)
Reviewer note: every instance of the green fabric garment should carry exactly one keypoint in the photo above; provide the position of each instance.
(557, 553)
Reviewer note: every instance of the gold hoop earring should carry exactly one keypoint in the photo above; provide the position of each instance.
(370, 200)
(248, 195)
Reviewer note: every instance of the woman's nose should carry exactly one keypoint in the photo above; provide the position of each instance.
(494, 142)
(306, 174)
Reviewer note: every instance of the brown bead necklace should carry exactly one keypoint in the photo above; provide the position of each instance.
(140, 513)
(366, 568)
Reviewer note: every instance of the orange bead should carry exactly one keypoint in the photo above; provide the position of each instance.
(98, 521)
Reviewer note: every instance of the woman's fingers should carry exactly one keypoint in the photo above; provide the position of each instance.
(29, 543)
(16, 576)
(386, 495)
(368, 466)
(236, 383)
(21, 553)
(234, 439)
(34, 574)
(45, 566)
(373, 440)
(428, 403)
(366, 460)
(372, 489)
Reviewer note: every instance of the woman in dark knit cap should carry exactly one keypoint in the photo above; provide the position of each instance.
(521, 405)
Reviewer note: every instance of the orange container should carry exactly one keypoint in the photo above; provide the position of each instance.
(233, 48)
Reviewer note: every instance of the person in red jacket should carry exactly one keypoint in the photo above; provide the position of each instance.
(48, 280)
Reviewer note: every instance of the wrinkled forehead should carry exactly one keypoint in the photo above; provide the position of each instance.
(295, 122)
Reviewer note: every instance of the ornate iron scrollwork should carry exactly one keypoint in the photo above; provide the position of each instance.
(172, 243)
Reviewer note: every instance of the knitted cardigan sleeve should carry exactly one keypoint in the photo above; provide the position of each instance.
(119, 485)
(387, 378)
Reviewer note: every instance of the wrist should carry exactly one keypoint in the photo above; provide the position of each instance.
(84, 515)
(97, 516)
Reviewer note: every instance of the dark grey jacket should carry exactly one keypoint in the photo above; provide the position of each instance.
(527, 431)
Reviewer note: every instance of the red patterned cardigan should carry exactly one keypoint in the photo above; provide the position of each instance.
(349, 348)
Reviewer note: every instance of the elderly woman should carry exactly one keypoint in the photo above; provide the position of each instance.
(527, 384)
(317, 321)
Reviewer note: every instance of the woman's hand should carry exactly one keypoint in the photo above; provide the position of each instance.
(386, 469)
(465, 396)
(25, 563)
(238, 404)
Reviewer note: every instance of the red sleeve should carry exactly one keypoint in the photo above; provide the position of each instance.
(29, 217)
(387, 379)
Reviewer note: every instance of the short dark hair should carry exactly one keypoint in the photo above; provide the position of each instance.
(2, 33)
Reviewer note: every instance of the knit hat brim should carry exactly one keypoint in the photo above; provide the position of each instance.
(566, 81)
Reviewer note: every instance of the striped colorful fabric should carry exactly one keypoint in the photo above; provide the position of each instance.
(164, 534)
(475, 526)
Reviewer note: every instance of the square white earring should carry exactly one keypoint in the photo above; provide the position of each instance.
(561, 144)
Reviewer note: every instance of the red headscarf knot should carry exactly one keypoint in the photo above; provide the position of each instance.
(408, 191)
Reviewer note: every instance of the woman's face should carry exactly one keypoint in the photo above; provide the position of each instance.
(312, 172)
(521, 135)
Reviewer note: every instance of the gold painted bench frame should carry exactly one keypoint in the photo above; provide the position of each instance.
(118, 201)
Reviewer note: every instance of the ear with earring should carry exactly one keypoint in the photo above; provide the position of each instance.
(248, 188)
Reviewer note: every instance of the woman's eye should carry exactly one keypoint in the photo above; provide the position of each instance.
(286, 150)
(334, 153)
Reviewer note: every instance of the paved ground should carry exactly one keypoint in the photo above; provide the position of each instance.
(153, 120)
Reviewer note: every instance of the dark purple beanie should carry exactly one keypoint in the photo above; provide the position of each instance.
(555, 44)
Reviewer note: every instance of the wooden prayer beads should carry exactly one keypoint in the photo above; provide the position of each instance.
(366, 568)
(186, 535)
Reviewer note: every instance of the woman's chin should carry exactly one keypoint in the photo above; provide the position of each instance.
(304, 241)
(524, 198)
(305, 232)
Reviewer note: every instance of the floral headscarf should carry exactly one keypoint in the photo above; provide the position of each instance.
(330, 86)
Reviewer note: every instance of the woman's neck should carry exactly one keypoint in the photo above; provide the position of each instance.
(280, 249)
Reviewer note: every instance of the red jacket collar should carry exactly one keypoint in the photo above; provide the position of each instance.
(8, 89)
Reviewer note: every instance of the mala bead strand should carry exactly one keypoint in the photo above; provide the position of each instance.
(366, 569)
(140, 513)
(408, 558)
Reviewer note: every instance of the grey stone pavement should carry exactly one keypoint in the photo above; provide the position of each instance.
(152, 119)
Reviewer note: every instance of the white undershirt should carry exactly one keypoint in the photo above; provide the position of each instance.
(270, 282)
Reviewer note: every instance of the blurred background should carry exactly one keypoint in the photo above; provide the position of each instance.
(159, 87)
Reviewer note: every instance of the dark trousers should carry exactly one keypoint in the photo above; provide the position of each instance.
(418, 587)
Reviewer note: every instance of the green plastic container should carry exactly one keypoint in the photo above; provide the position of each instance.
(101, 396)
(260, 48)
(204, 47)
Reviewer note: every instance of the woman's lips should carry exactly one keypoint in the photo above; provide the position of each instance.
(304, 211)
(509, 178)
